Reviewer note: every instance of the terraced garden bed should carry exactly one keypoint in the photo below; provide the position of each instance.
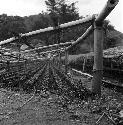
(48, 108)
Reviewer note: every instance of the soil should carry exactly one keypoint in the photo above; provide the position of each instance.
(51, 109)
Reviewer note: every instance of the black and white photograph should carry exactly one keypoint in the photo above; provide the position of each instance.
(61, 62)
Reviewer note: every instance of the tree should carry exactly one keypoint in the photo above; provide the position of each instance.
(61, 12)
(54, 5)
(68, 13)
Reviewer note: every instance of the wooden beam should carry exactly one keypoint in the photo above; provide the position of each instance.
(62, 26)
(47, 47)
(49, 29)
(98, 46)
(84, 36)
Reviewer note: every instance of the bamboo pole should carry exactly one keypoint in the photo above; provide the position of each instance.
(84, 36)
(98, 59)
(47, 47)
(110, 5)
(66, 61)
(59, 59)
(49, 29)
(98, 46)
(84, 64)
(62, 26)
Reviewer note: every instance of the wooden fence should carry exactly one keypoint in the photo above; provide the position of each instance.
(96, 27)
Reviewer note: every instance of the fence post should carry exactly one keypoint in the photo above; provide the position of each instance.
(59, 59)
(84, 64)
(8, 66)
(25, 65)
(66, 61)
(98, 59)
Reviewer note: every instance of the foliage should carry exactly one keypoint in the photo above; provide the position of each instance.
(10, 25)
(61, 12)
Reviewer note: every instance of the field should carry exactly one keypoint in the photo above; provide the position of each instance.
(59, 105)
(41, 94)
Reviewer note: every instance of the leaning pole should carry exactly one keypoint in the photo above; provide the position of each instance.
(98, 46)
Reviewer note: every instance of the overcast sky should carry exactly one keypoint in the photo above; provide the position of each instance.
(85, 7)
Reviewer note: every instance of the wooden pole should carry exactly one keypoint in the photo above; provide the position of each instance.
(98, 59)
(84, 64)
(59, 59)
(83, 37)
(61, 45)
(66, 61)
(50, 29)
(110, 5)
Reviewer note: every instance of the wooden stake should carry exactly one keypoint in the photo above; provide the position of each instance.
(84, 64)
(59, 60)
(66, 61)
(98, 59)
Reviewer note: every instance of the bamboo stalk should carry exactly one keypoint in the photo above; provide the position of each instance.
(98, 59)
(49, 29)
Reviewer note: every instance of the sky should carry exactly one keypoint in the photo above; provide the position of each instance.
(85, 7)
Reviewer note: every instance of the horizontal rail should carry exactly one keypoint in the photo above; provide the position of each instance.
(46, 47)
(49, 29)
(62, 26)
(71, 44)
(81, 73)
(8, 40)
